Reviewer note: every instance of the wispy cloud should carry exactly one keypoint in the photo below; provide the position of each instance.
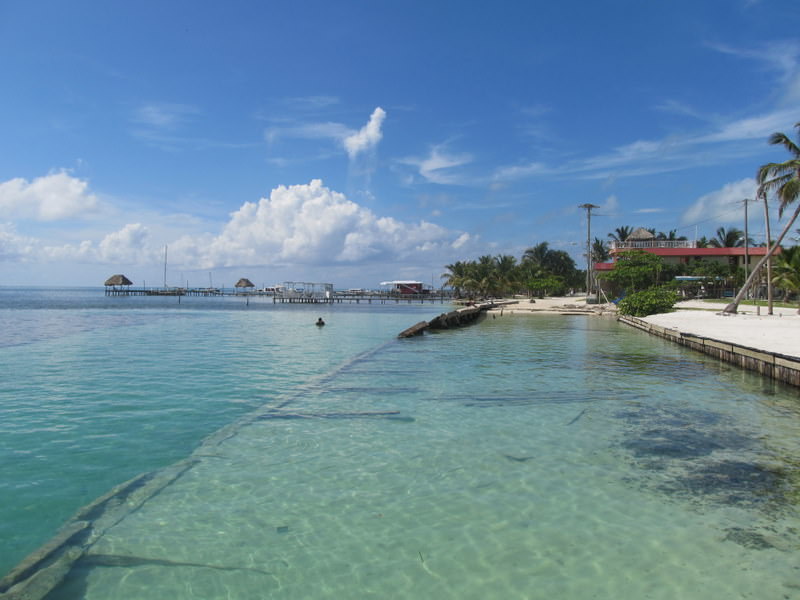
(610, 206)
(438, 166)
(679, 108)
(673, 153)
(352, 141)
(520, 171)
(751, 128)
(163, 125)
(716, 140)
(782, 56)
(309, 131)
(312, 102)
(721, 206)
(169, 142)
(164, 115)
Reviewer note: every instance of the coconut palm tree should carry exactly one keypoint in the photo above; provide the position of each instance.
(782, 180)
(457, 276)
(505, 268)
(620, 234)
(672, 236)
(537, 254)
(727, 238)
(786, 272)
(600, 251)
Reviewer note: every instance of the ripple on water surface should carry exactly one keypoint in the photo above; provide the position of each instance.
(506, 465)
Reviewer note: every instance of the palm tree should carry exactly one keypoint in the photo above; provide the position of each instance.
(599, 251)
(786, 272)
(505, 267)
(559, 263)
(727, 238)
(672, 236)
(457, 276)
(537, 254)
(620, 234)
(783, 180)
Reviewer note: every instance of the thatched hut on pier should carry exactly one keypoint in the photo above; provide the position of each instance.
(244, 285)
(118, 285)
(116, 281)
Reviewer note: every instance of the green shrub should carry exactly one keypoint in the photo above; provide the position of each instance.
(648, 302)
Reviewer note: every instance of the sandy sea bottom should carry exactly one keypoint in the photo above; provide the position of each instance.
(546, 457)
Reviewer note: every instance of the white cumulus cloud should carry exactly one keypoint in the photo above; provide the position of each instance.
(14, 246)
(308, 224)
(128, 245)
(368, 136)
(53, 197)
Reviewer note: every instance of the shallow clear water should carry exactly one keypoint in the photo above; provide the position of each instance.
(523, 457)
(95, 390)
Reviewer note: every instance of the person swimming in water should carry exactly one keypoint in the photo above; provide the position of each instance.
(320, 322)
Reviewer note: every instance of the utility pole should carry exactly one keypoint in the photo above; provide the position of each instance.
(769, 260)
(746, 247)
(588, 207)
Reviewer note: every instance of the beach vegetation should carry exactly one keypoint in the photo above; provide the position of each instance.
(786, 272)
(600, 251)
(635, 270)
(658, 299)
(546, 284)
(540, 271)
(781, 180)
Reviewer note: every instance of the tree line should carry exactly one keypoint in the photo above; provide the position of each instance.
(541, 271)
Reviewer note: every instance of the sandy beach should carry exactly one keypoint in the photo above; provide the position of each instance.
(776, 333)
(556, 304)
(779, 332)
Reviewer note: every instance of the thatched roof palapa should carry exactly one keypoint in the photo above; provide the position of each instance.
(118, 280)
(244, 282)
(640, 234)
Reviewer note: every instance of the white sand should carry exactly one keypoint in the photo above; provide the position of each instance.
(545, 305)
(777, 333)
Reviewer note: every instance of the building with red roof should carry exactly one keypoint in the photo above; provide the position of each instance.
(675, 252)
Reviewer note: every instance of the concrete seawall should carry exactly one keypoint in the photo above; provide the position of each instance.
(455, 318)
(771, 364)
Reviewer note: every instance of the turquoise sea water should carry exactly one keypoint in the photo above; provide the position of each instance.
(523, 457)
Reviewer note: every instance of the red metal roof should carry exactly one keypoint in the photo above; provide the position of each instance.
(603, 266)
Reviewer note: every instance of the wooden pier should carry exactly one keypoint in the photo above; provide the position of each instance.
(289, 298)
(120, 291)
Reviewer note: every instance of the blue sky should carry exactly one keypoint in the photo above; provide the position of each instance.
(354, 142)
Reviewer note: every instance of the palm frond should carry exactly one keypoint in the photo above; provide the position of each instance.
(788, 193)
(781, 139)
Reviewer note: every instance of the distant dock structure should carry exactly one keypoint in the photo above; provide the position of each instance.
(119, 285)
(304, 292)
(291, 292)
